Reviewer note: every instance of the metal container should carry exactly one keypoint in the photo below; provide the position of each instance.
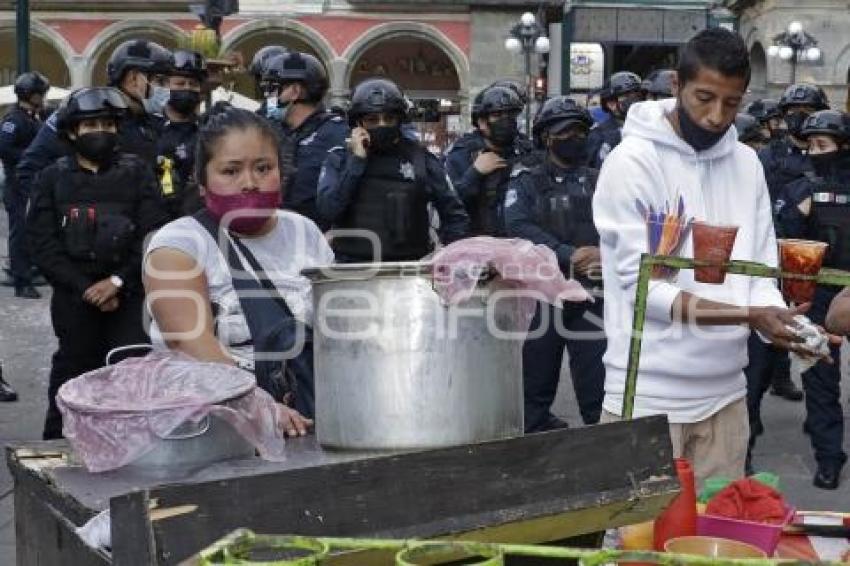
(396, 369)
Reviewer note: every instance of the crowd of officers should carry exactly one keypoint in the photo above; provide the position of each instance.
(86, 183)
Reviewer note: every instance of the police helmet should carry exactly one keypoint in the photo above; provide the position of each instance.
(90, 102)
(803, 94)
(559, 113)
(749, 128)
(660, 82)
(763, 109)
(827, 122)
(141, 54)
(514, 86)
(298, 67)
(28, 84)
(189, 64)
(376, 95)
(496, 99)
(623, 82)
(262, 57)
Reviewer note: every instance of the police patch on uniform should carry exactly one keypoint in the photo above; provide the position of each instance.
(8, 127)
(406, 170)
(510, 198)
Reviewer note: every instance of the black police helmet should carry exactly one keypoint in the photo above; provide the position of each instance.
(623, 82)
(28, 84)
(748, 127)
(803, 94)
(763, 109)
(262, 57)
(189, 64)
(559, 113)
(376, 95)
(660, 82)
(514, 86)
(298, 67)
(495, 99)
(828, 122)
(141, 54)
(90, 102)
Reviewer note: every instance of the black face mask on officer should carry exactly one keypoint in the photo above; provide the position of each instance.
(184, 102)
(794, 120)
(383, 138)
(98, 147)
(569, 151)
(503, 131)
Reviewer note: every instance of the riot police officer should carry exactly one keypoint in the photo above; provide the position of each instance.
(622, 90)
(176, 144)
(17, 130)
(90, 214)
(785, 161)
(660, 84)
(480, 163)
(383, 183)
(550, 204)
(768, 114)
(139, 69)
(817, 207)
(750, 131)
(257, 69)
(308, 129)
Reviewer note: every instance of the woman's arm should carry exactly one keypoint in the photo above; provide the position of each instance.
(176, 292)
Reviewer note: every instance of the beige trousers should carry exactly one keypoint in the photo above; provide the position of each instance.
(716, 446)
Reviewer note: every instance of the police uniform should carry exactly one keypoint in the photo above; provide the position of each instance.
(607, 135)
(483, 195)
(18, 129)
(84, 227)
(303, 151)
(604, 137)
(176, 167)
(389, 194)
(783, 163)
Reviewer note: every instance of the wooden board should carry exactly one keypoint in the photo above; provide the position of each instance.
(590, 477)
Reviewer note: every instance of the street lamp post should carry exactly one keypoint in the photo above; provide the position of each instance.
(795, 45)
(527, 37)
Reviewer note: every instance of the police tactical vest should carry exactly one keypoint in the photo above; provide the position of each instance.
(289, 142)
(99, 231)
(830, 217)
(391, 202)
(486, 216)
(565, 205)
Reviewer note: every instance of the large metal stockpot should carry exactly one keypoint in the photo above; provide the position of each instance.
(396, 369)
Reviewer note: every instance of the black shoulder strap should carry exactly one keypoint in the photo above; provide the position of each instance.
(207, 221)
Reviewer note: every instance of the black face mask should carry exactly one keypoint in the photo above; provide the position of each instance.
(383, 138)
(97, 146)
(184, 101)
(695, 135)
(503, 131)
(571, 150)
(824, 163)
(794, 121)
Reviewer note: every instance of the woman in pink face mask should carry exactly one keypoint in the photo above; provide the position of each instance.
(224, 284)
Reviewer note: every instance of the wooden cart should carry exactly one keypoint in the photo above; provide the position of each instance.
(535, 489)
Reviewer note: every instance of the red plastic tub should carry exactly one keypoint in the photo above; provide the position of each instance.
(763, 535)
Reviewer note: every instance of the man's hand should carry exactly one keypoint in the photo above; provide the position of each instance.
(291, 421)
(100, 293)
(774, 323)
(359, 142)
(110, 306)
(488, 161)
(585, 260)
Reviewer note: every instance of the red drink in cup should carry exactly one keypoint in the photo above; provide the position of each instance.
(805, 258)
(712, 243)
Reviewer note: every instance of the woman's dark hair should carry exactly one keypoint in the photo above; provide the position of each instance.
(216, 123)
(718, 49)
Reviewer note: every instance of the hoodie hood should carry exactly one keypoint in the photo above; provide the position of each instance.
(648, 120)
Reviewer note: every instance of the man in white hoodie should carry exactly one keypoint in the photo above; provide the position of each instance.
(695, 337)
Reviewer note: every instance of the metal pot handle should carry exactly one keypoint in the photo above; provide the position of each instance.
(203, 427)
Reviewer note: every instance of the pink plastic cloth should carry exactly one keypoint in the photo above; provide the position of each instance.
(519, 264)
(116, 414)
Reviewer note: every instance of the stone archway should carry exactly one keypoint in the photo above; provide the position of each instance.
(250, 37)
(104, 43)
(758, 66)
(49, 54)
(428, 67)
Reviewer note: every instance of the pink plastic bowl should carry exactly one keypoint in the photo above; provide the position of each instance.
(763, 535)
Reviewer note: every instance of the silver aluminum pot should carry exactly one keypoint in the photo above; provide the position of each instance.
(396, 369)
